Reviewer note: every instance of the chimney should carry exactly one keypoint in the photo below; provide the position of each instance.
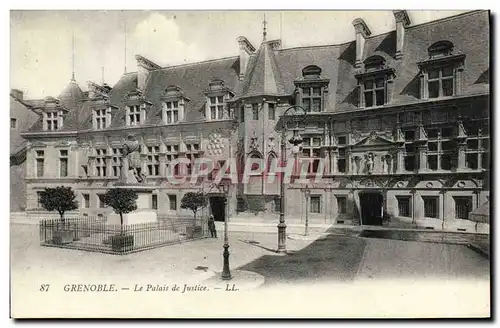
(246, 49)
(362, 32)
(144, 66)
(18, 94)
(402, 22)
(275, 44)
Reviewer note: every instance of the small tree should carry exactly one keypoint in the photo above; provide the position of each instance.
(194, 201)
(60, 199)
(123, 201)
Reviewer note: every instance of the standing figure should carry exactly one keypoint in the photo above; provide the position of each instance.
(131, 151)
(211, 226)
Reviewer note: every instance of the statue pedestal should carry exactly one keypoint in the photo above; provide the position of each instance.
(144, 212)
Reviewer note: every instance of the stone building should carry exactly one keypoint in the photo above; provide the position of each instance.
(400, 121)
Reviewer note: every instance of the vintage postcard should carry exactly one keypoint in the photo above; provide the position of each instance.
(250, 164)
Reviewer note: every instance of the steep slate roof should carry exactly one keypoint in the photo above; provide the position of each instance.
(273, 72)
(192, 79)
(263, 75)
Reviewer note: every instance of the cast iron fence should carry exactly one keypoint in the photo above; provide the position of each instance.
(95, 234)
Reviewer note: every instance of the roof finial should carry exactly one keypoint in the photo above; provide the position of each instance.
(102, 75)
(125, 47)
(73, 57)
(264, 32)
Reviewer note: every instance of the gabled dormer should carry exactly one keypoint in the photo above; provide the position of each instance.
(375, 82)
(217, 94)
(312, 90)
(136, 108)
(173, 104)
(53, 113)
(441, 73)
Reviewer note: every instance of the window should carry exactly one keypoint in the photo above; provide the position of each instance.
(342, 158)
(153, 160)
(134, 115)
(100, 162)
(13, 123)
(116, 162)
(86, 201)
(39, 163)
(440, 82)
(374, 92)
(341, 204)
(271, 114)
(216, 107)
(100, 119)
(100, 197)
(255, 112)
(315, 204)
(192, 155)
(311, 99)
(478, 144)
(63, 163)
(463, 206)
(172, 154)
(410, 151)
(404, 206)
(431, 206)
(51, 121)
(39, 199)
(154, 202)
(242, 114)
(311, 152)
(173, 202)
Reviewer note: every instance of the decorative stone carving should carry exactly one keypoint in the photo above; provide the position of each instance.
(131, 153)
(215, 144)
(271, 144)
(370, 162)
(254, 143)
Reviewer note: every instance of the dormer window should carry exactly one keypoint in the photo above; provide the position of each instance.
(375, 82)
(173, 105)
(441, 73)
(136, 108)
(312, 90)
(216, 95)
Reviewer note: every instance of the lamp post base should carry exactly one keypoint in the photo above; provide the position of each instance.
(226, 273)
(281, 238)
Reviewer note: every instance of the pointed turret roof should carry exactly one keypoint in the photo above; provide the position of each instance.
(263, 77)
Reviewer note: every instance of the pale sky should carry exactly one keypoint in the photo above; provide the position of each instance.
(41, 41)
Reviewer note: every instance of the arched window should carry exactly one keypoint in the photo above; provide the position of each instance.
(255, 166)
(440, 49)
(311, 72)
(271, 163)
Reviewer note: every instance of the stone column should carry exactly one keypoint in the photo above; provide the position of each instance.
(362, 32)
(402, 21)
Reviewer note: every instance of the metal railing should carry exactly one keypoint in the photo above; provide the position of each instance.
(96, 235)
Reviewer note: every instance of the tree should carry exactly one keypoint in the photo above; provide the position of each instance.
(122, 200)
(60, 199)
(194, 201)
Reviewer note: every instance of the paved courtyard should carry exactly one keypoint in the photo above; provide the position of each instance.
(329, 259)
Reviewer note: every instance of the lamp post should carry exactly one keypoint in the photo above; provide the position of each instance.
(297, 114)
(226, 272)
(307, 193)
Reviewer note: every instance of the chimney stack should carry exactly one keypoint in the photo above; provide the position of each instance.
(402, 22)
(18, 94)
(246, 49)
(362, 32)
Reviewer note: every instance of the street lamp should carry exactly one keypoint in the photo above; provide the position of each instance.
(226, 272)
(297, 114)
(307, 193)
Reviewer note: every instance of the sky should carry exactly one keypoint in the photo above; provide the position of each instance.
(41, 42)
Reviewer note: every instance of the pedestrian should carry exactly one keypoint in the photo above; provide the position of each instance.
(211, 226)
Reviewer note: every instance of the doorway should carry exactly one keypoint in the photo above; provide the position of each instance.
(371, 208)
(217, 208)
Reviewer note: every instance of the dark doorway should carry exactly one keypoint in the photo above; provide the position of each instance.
(217, 207)
(371, 208)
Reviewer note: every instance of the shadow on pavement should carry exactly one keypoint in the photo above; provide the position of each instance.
(256, 244)
(330, 258)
